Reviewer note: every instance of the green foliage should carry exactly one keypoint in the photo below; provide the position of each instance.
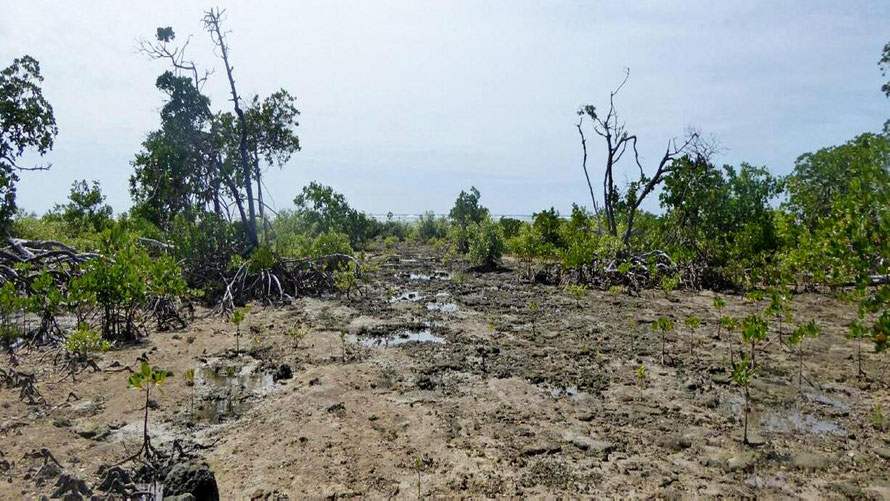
(807, 330)
(27, 122)
(430, 227)
(510, 226)
(86, 209)
(547, 224)
(147, 378)
(486, 244)
(723, 218)
(663, 324)
(577, 291)
(467, 210)
(10, 304)
(692, 322)
(743, 372)
(346, 278)
(84, 342)
(297, 332)
(321, 210)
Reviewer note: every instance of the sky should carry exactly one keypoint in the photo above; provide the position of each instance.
(405, 103)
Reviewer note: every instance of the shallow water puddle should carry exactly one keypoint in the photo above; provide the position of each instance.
(435, 275)
(223, 387)
(444, 308)
(796, 422)
(408, 296)
(396, 338)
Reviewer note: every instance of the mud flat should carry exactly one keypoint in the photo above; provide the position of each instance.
(440, 381)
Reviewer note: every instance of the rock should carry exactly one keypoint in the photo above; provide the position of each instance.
(741, 462)
(92, 430)
(283, 373)
(587, 443)
(337, 408)
(115, 480)
(541, 447)
(808, 461)
(425, 383)
(72, 488)
(883, 452)
(191, 478)
(181, 497)
(62, 423)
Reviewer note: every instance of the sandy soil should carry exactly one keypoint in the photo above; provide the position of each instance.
(484, 398)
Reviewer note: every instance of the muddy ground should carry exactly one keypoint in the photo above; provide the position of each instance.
(453, 386)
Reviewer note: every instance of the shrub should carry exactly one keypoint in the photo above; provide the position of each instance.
(429, 227)
(510, 226)
(486, 244)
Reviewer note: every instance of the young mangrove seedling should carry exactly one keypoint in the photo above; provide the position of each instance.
(147, 379)
(779, 308)
(297, 332)
(190, 381)
(343, 345)
(719, 304)
(81, 347)
(730, 324)
(578, 292)
(742, 374)
(808, 330)
(533, 308)
(642, 375)
(663, 325)
(692, 322)
(238, 317)
(754, 329)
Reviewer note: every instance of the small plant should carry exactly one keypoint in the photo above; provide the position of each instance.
(343, 345)
(808, 330)
(754, 329)
(238, 316)
(669, 283)
(577, 291)
(878, 420)
(719, 304)
(642, 376)
(692, 322)
(858, 332)
(81, 347)
(297, 332)
(533, 308)
(779, 308)
(742, 374)
(147, 379)
(730, 324)
(346, 279)
(663, 325)
(190, 381)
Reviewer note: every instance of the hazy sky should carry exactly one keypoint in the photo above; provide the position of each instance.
(404, 103)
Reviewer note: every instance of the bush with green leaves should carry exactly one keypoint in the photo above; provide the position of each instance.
(346, 278)
(81, 347)
(754, 329)
(45, 300)
(429, 227)
(11, 303)
(743, 373)
(237, 318)
(486, 244)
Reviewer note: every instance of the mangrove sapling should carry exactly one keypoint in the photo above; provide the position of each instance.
(742, 374)
(663, 325)
(719, 304)
(238, 316)
(858, 331)
(297, 332)
(730, 324)
(578, 292)
(343, 345)
(642, 376)
(692, 322)
(81, 347)
(808, 330)
(533, 308)
(147, 379)
(190, 381)
(754, 329)
(779, 309)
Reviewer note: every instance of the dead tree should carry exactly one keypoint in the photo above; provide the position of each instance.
(619, 142)
(212, 20)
